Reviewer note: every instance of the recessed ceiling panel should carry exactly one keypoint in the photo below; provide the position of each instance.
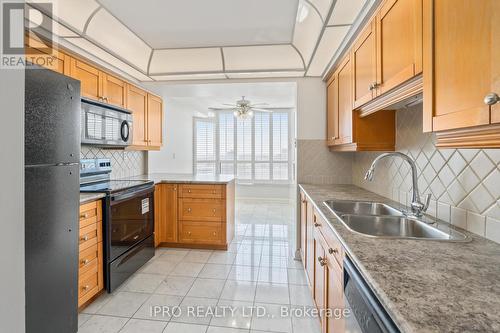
(188, 77)
(72, 12)
(257, 75)
(191, 23)
(112, 34)
(327, 47)
(307, 30)
(323, 6)
(85, 46)
(346, 11)
(186, 60)
(262, 58)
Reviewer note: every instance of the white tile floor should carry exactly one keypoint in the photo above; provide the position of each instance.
(258, 270)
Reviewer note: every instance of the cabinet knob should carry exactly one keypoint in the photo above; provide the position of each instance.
(491, 99)
(84, 215)
(189, 233)
(317, 225)
(85, 262)
(332, 251)
(214, 210)
(322, 261)
(189, 210)
(189, 191)
(374, 86)
(304, 201)
(215, 234)
(85, 288)
(85, 238)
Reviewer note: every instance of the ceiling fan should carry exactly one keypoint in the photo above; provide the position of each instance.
(243, 108)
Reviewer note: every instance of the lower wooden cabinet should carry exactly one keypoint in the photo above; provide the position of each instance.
(90, 259)
(194, 215)
(324, 269)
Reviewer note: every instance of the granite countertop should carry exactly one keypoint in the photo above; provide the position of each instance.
(425, 286)
(88, 197)
(186, 178)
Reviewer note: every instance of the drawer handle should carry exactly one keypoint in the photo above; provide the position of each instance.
(85, 262)
(215, 233)
(332, 251)
(189, 233)
(214, 211)
(189, 210)
(85, 238)
(189, 191)
(322, 261)
(214, 191)
(85, 288)
(84, 216)
(304, 201)
(317, 225)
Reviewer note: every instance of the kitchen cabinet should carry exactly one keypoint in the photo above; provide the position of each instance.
(165, 213)
(461, 69)
(324, 270)
(364, 66)
(91, 262)
(39, 53)
(137, 103)
(114, 90)
(303, 225)
(194, 215)
(351, 131)
(90, 79)
(155, 121)
(399, 43)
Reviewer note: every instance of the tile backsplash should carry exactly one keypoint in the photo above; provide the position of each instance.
(124, 163)
(464, 183)
(316, 165)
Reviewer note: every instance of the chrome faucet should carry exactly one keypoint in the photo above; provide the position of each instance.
(417, 206)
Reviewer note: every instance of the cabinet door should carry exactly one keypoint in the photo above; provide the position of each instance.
(114, 90)
(303, 227)
(89, 77)
(461, 62)
(137, 103)
(364, 66)
(334, 296)
(154, 121)
(399, 42)
(166, 213)
(310, 256)
(345, 102)
(36, 52)
(332, 111)
(319, 272)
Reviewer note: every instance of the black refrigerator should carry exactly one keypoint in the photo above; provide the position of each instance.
(52, 153)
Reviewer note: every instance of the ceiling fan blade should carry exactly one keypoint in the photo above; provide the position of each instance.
(262, 110)
(256, 104)
(233, 105)
(221, 109)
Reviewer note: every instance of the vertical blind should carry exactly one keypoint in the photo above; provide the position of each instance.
(255, 149)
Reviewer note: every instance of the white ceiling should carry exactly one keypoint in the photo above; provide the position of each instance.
(170, 40)
(192, 23)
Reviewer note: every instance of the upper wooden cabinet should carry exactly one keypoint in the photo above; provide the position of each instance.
(37, 52)
(90, 78)
(114, 90)
(364, 66)
(137, 103)
(461, 67)
(399, 43)
(155, 121)
(347, 130)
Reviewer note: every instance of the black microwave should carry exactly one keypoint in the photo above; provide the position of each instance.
(105, 125)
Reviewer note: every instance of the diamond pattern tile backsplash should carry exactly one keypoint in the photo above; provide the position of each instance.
(464, 183)
(124, 163)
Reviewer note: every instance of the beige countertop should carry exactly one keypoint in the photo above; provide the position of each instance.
(186, 178)
(425, 286)
(88, 197)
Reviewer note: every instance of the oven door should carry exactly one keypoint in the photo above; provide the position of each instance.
(131, 219)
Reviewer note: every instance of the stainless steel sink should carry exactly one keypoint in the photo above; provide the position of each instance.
(379, 220)
(362, 208)
(399, 227)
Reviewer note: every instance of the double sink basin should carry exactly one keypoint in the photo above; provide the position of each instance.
(380, 220)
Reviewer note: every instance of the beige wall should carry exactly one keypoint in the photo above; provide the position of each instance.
(464, 183)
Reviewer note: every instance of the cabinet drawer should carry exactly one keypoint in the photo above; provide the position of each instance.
(87, 259)
(200, 232)
(211, 210)
(334, 246)
(90, 213)
(201, 191)
(88, 236)
(88, 283)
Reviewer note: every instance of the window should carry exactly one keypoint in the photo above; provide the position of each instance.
(256, 149)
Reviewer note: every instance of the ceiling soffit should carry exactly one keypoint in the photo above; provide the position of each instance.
(321, 27)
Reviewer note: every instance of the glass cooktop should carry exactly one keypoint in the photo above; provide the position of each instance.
(112, 186)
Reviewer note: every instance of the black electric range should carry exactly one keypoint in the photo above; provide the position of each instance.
(128, 228)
